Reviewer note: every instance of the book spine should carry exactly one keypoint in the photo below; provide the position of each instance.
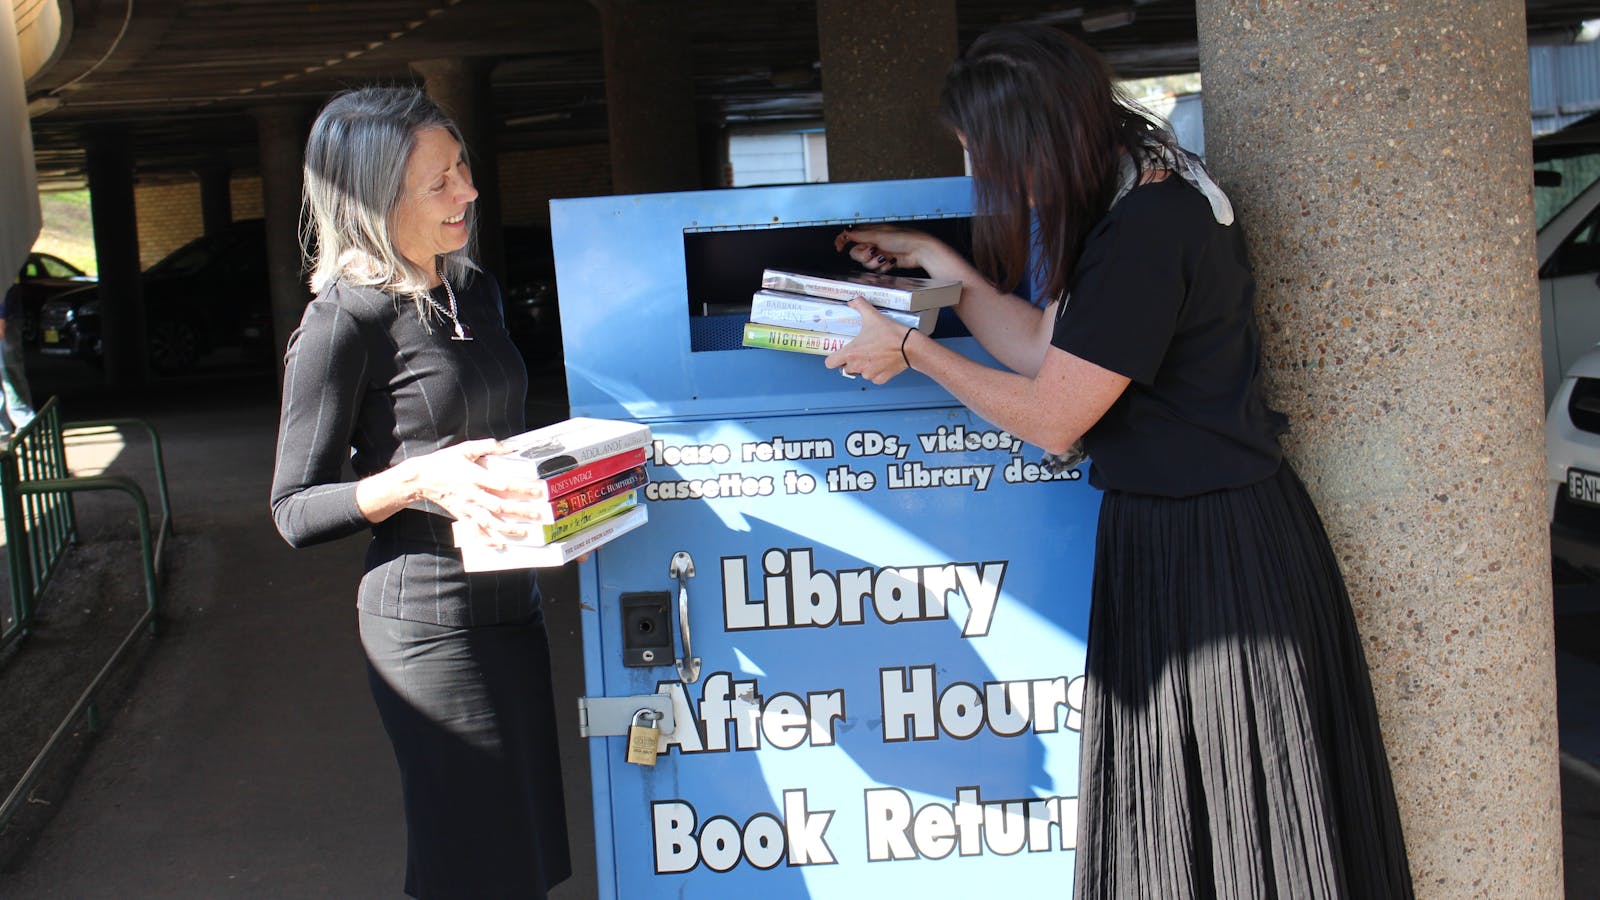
(816, 314)
(595, 492)
(560, 485)
(887, 298)
(581, 520)
(591, 452)
(794, 340)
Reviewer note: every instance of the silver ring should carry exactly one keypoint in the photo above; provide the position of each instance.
(844, 373)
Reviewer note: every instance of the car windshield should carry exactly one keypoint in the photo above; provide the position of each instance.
(1552, 193)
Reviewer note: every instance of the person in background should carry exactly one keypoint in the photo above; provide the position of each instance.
(17, 409)
(1231, 745)
(403, 370)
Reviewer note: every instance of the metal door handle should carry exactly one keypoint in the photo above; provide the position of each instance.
(682, 568)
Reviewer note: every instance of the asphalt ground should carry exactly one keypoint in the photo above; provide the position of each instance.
(238, 753)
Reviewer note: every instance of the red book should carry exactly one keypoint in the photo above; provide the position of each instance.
(567, 482)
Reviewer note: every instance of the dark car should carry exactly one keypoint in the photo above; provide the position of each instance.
(210, 293)
(42, 277)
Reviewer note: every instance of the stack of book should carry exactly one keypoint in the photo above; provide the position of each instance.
(804, 312)
(588, 472)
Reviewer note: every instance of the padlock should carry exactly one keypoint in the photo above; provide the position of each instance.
(642, 737)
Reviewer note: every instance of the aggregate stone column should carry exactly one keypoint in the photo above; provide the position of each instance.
(281, 131)
(108, 160)
(1378, 154)
(649, 96)
(883, 64)
(461, 88)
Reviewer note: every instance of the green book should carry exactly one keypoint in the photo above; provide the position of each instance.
(794, 340)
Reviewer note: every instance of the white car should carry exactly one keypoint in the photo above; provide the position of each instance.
(1572, 453)
(1567, 210)
(1567, 205)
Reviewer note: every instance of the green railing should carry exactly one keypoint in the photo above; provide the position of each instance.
(41, 525)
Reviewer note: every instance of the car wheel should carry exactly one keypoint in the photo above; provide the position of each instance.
(174, 346)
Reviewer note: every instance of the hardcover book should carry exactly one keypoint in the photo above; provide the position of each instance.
(794, 340)
(901, 292)
(565, 446)
(769, 307)
(478, 557)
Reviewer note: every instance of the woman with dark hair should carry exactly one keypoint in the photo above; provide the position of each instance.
(1231, 745)
(402, 369)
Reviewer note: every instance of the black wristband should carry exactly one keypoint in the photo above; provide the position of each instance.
(903, 340)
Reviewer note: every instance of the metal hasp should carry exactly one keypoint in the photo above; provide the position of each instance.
(682, 568)
(612, 716)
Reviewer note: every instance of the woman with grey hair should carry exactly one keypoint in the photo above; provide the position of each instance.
(402, 366)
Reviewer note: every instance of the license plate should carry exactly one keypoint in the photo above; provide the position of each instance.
(1583, 487)
(52, 336)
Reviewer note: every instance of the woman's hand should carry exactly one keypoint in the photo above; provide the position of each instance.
(876, 351)
(501, 507)
(880, 248)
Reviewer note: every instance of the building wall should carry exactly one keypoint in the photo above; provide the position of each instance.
(529, 179)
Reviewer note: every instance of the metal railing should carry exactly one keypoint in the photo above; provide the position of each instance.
(41, 524)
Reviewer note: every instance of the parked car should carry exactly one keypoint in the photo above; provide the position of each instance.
(212, 292)
(1572, 453)
(1567, 212)
(43, 276)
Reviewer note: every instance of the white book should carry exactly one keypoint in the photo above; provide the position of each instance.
(480, 557)
(791, 310)
(566, 445)
(902, 292)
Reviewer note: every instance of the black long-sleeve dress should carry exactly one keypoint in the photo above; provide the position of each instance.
(458, 662)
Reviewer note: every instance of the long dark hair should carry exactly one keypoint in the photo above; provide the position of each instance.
(1045, 126)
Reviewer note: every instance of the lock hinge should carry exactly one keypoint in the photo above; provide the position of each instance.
(611, 716)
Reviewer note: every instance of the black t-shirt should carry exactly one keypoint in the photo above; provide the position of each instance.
(1164, 295)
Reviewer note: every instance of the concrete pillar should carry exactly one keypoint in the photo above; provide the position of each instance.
(281, 131)
(216, 197)
(108, 160)
(1380, 162)
(883, 64)
(649, 96)
(461, 88)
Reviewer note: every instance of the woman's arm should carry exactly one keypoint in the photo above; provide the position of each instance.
(1010, 328)
(1051, 408)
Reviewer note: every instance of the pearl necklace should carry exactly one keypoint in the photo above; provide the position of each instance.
(462, 333)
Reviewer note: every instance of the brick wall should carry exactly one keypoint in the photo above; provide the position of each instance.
(530, 178)
(169, 214)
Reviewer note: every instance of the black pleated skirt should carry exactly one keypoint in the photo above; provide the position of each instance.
(472, 718)
(1230, 743)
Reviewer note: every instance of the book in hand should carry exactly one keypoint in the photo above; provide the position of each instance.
(540, 535)
(480, 557)
(587, 475)
(544, 453)
(905, 293)
(794, 340)
(769, 307)
(559, 509)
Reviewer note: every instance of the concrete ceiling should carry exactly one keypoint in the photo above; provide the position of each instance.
(183, 75)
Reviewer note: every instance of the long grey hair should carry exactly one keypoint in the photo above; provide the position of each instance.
(355, 171)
